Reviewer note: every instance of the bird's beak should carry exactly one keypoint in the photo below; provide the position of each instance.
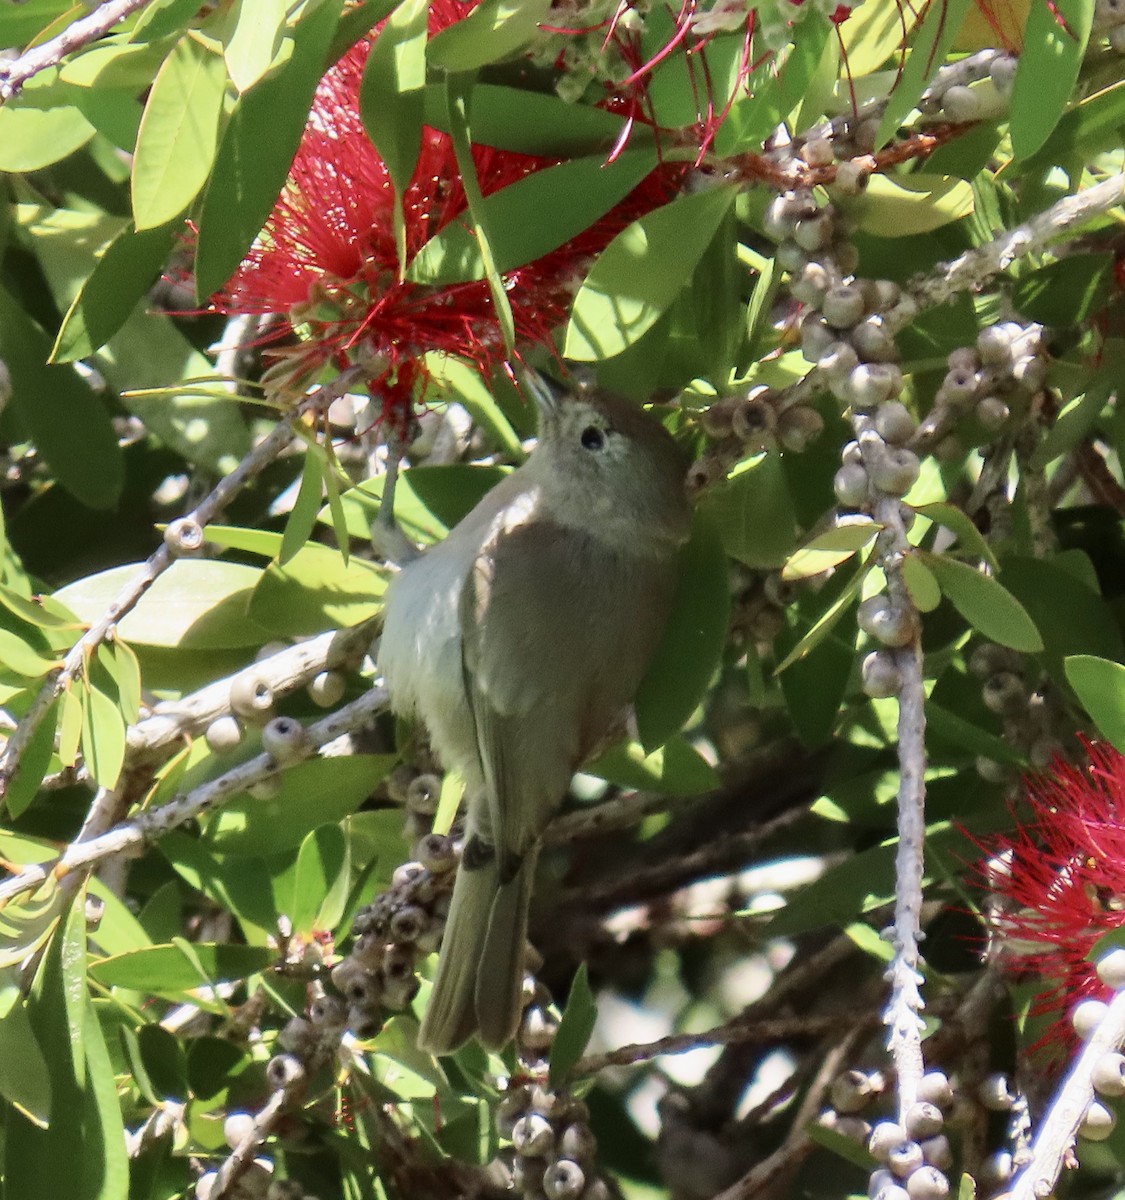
(547, 395)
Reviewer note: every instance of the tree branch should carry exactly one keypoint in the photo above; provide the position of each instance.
(157, 563)
(14, 74)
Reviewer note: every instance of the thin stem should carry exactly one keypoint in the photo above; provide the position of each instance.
(157, 563)
(15, 74)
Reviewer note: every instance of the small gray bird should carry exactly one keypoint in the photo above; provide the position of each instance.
(520, 641)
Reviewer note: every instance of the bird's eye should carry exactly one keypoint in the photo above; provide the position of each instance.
(592, 438)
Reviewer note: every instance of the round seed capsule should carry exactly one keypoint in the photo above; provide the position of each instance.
(284, 1071)
(992, 413)
(873, 341)
(237, 1127)
(1111, 969)
(938, 1152)
(1108, 1076)
(1098, 1122)
(873, 383)
(811, 284)
(798, 426)
(1004, 692)
(894, 422)
(818, 152)
(409, 923)
(905, 1158)
(436, 853)
(815, 232)
(423, 793)
(995, 1093)
(851, 485)
(251, 697)
(923, 1120)
(961, 103)
(935, 1088)
(533, 1136)
(285, 740)
(184, 537)
(843, 305)
(564, 1180)
(223, 735)
(327, 688)
(896, 471)
(881, 676)
(537, 1029)
(927, 1183)
(1087, 1016)
(328, 1012)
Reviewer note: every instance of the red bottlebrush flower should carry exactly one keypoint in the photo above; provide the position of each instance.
(326, 259)
(1059, 881)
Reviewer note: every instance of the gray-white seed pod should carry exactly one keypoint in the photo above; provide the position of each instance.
(251, 697)
(285, 740)
(184, 537)
(1108, 1076)
(327, 689)
(224, 734)
(1098, 1122)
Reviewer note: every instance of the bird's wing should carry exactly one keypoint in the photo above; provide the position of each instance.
(556, 632)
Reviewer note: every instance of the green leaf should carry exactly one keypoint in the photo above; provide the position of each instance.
(1091, 126)
(169, 969)
(24, 1079)
(574, 1029)
(67, 422)
(968, 536)
(815, 682)
(178, 135)
(1074, 423)
(531, 122)
(18, 656)
(85, 1112)
(675, 768)
(638, 275)
(70, 724)
(1100, 685)
(932, 41)
(302, 520)
(164, 1062)
(1067, 609)
(103, 738)
(575, 194)
(162, 18)
(1054, 42)
(41, 125)
(321, 881)
(753, 512)
(493, 30)
(106, 300)
(312, 794)
(908, 204)
(256, 150)
(692, 646)
(254, 41)
(986, 604)
(1067, 292)
(829, 549)
(197, 603)
(920, 583)
(33, 764)
(128, 676)
(316, 590)
(391, 100)
(823, 625)
(458, 93)
(454, 378)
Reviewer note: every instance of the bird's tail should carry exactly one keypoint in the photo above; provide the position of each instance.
(480, 970)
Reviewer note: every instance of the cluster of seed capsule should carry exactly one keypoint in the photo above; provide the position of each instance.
(253, 702)
(954, 96)
(418, 791)
(847, 333)
(913, 1156)
(993, 382)
(1108, 1076)
(391, 933)
(553, 1147)
(758, 605)
(284, 1072)
(756, 420)
(1031, 712)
